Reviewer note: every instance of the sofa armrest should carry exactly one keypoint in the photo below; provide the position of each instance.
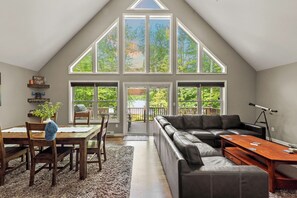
(255, 128)
(233, 181)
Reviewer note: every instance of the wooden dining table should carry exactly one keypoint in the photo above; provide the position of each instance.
(79, 135)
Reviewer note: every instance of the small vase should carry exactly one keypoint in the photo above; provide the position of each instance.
(47, 120)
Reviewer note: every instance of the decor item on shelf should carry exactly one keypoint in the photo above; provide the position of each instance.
(39, 80)
(47, 110)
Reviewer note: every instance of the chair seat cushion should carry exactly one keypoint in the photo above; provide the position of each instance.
(10, 152)
(201, 134)
(191, 137)
(46, 154)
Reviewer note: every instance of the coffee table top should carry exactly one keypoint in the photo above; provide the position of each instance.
(264, 148)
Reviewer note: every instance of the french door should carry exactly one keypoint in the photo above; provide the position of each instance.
(144, 101)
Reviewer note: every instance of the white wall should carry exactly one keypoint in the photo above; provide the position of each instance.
(14, 94)
(277, 89)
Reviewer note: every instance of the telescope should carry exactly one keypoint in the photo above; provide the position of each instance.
(263, 108)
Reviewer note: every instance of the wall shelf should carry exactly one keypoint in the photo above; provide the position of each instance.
(39, 100)
(38, 86)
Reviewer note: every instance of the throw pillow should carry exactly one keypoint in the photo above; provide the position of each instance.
(51, 129)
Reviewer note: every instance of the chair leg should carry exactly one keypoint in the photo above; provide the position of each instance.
(99, 160)
(71, 160)
(32, 173)
(54, 178)
(104, 151)
(76, 162)
(2, 174)
(27, 161)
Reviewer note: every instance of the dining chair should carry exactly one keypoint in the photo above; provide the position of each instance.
(82, 114)
(96, 147)
(49, 156)
(10, 153)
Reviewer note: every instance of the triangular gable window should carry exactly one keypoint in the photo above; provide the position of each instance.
(107, 50)
(84, 63)
(187, 50)
(148, 5)
(210, 64)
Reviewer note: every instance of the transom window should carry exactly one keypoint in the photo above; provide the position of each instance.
(200, 98)
(147, 5)
(98, 97)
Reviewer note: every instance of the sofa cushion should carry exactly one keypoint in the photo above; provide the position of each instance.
(230, 121)
(206, 150)
(211, 122)
(218, 132)
(216, 161)
(176, 121)
(164, 122)
(191, 137)
(193, 122)
(201, 134)
(244, 132)
(187, 148)
(170, 130)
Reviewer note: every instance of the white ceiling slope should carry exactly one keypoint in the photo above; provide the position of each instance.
(263, 32)
(33, 31)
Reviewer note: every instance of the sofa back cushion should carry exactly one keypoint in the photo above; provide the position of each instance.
(163, 122)
(212, 122)
(188, 149)
(193, 122)
(230, 121)
(176, 121)
(170, 130)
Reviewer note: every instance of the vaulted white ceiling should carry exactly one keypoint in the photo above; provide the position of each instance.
(33, 31)
(263, 32)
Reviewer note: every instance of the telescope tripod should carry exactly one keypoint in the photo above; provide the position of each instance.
(264, 122)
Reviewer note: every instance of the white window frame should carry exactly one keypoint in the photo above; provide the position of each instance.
(201, 48)
(147, 17)
(71, 101)
(223, 95)
(93, 48)
(159, 3)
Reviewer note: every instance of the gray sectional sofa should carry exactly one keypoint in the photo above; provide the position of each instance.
(194, 168)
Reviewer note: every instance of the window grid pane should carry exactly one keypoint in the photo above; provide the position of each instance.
(134, 44)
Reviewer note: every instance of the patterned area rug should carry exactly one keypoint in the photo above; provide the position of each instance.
(283, 194)
(113, 181)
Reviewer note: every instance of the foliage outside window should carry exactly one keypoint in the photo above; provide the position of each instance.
(158, 43)
(209, 64)
(85, 63)
(187, 52)
(107, 52)
(200, 100)
(99, 99)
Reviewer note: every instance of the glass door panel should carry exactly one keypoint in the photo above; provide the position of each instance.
(136, 110)
(158, 103)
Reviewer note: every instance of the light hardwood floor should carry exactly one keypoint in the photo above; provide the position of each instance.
(148, 178)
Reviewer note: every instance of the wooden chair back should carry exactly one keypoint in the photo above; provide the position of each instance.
(84, 114)
(37, 141)
(104, 125)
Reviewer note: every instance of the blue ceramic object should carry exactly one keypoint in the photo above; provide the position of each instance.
(51, 129)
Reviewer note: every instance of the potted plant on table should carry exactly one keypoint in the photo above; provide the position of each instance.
(47, 110)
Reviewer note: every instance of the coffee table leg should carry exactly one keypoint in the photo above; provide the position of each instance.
(271, 172)
(83, 160)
